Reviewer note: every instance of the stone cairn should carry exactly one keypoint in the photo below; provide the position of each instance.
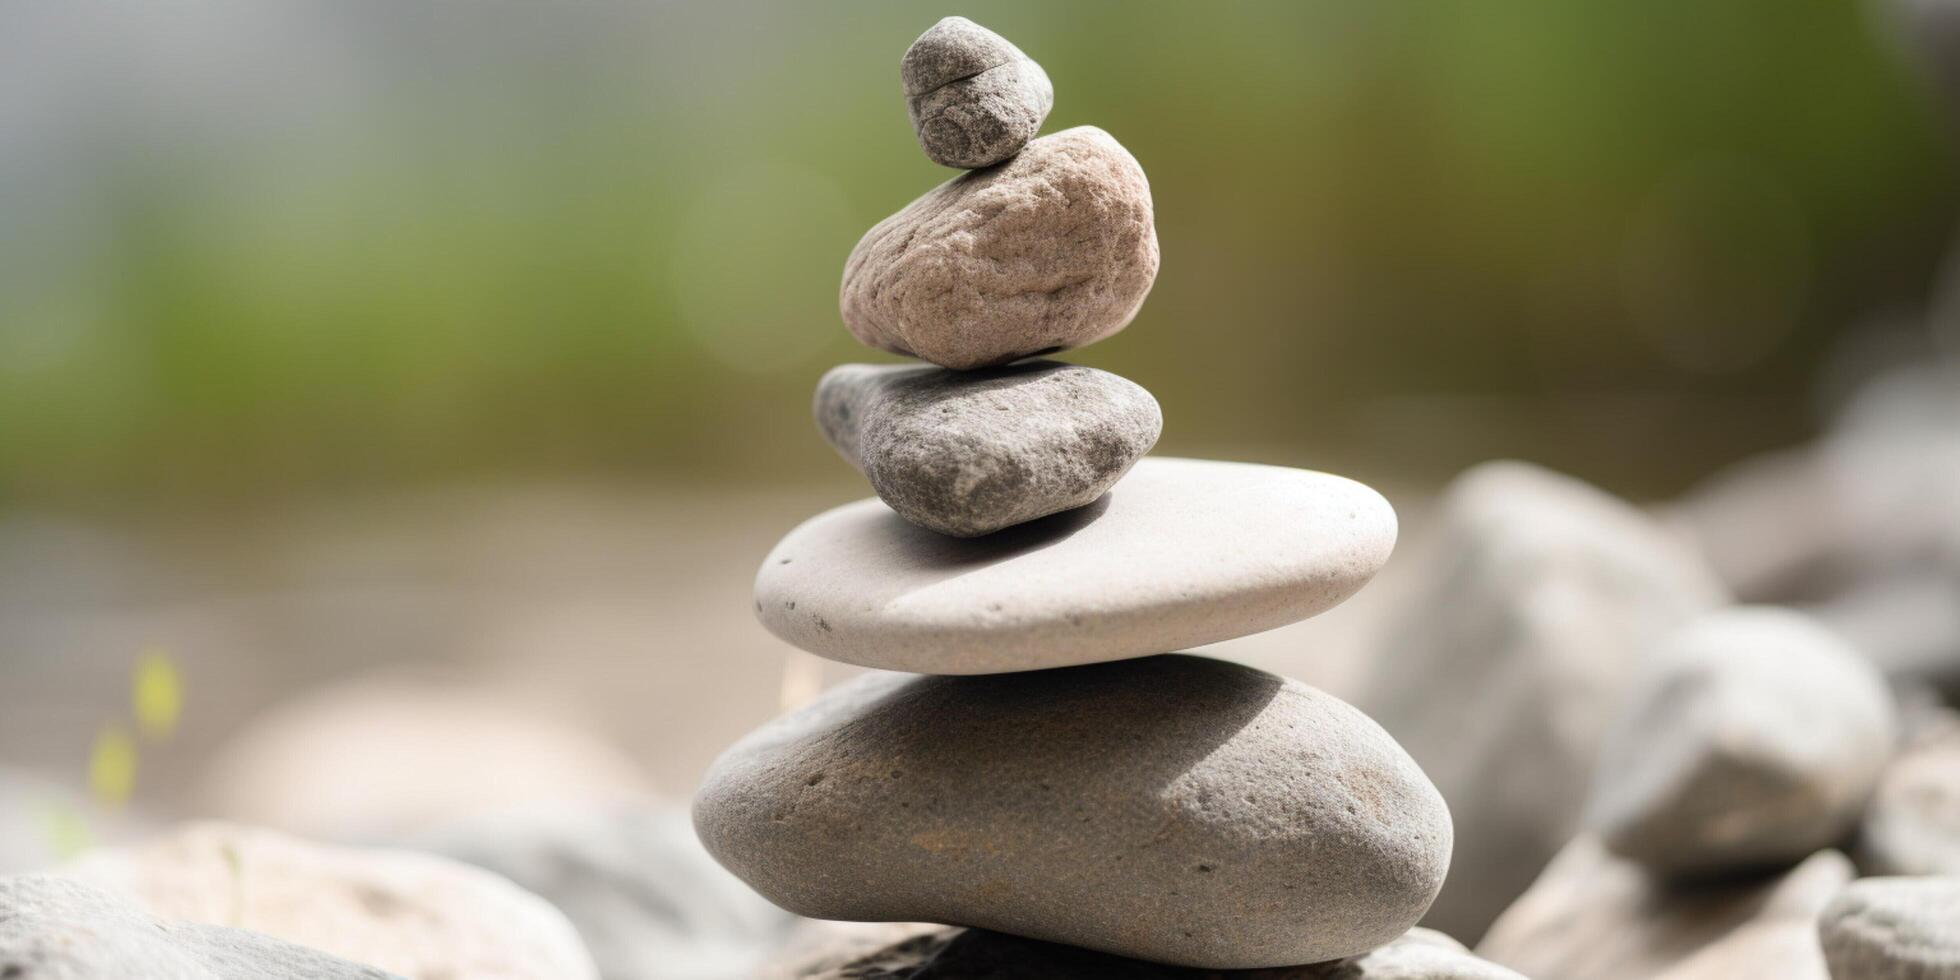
(1045, 770)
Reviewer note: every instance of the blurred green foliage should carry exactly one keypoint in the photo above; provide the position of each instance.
(384, 243)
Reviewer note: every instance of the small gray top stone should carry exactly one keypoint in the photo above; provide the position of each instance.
(1894, 929)
(950, 50)
(968, 453)
(974, 99)
(1177, 809)
(1181, 553)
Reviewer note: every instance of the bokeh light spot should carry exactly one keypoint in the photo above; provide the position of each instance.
(112, 766)
(156, 695)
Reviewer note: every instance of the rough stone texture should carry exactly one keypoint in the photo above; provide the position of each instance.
(980, 121)
(424, 917)
(1912, 826)
(1181, 553)
(1594, 916)
(974, 98)
(950, 50)
(1056, 248)
(1176, 809)
(1894, 929)
(1755, 738)
(649, 903)
(942, 953)
(56, 928)
(383, 756)
(1538, 597)
(968, 453)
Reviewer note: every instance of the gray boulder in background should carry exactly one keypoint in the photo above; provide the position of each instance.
(1754, 737)
(1594, 916)
(1542, 596)
(643, 894)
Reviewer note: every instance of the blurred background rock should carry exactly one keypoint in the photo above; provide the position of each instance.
(469, 345)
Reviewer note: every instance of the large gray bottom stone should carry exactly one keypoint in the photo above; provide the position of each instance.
(1176, 809)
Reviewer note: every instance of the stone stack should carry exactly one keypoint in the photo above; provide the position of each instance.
(1047, 770)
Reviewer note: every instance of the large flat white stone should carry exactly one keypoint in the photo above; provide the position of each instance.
(1179, 554)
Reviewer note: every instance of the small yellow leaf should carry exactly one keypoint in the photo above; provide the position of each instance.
(112, 766)
(157, 695)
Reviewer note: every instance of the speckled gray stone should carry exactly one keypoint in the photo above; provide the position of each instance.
(1912, 826)
(1893, 929)
(1176, 809)
(968, 453)
(950, 50)
(1056, 248)
(1755, 738)
(974, 98)
(948, 953)
(1181, 553)
(56, 928)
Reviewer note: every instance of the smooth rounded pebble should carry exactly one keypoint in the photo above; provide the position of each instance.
(1176, 809)
(950, 953)
(974, 98)
(415, 914)
(1893, 929)
(1056, 248)
(1755, 739)
(1912, 826)
(56, 928)
(1180, 554)
(969, 453)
